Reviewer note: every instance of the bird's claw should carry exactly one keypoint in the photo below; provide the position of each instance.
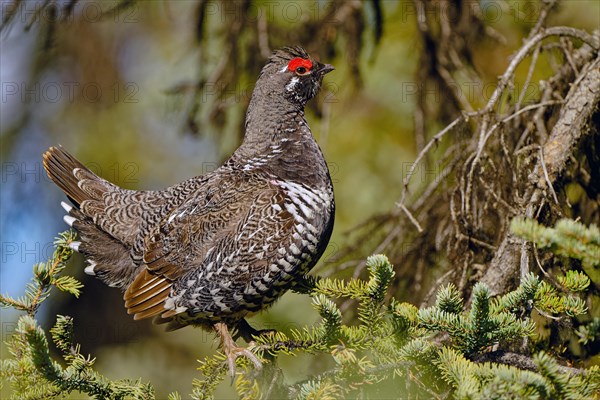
(235, 352)
(232, 350)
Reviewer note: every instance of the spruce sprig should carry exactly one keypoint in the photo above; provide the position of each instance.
(568, 238)
(45, 276)
(31, 371)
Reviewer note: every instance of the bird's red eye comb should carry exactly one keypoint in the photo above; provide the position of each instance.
(297, 62)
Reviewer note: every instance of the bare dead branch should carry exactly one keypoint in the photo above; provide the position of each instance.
(506, 78)
(580, 104)
(420, 156)
(410, 217)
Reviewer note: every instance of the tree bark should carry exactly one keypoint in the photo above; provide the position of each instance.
(581, 103)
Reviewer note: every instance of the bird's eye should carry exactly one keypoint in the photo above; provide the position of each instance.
(300, 66)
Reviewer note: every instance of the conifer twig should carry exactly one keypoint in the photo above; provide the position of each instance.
(520, 361)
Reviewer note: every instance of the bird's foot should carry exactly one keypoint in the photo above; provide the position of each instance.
(232, 350)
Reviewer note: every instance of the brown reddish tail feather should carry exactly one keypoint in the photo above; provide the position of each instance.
(145, 297)
(59, 166)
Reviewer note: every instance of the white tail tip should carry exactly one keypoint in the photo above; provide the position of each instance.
(67, 207)
(90, 268)
(75, 246)
(69, 220)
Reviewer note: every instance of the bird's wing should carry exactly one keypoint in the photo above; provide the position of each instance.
(229, 211)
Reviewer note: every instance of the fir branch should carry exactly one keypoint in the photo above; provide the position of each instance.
(519, 361)
(589, 333)
(247, 389)
(574, 281)
(34, 374)
(405, 321)
(400, 338)
(483, 326)
(319, 389)
(46, 275)
(481, 323)
(519, 299)
(174, 396)
(568, 238)
(332, 318)
(214, 370)
(371, 300)
(306, 284)
(449, 299)
(548, 300)
(472, 379)
(336, 288)
(62, 334)
(458, 372)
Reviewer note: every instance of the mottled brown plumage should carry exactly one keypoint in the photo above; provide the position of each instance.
(215, 248)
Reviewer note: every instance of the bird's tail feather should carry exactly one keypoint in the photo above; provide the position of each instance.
(72, 177)
(108, 257)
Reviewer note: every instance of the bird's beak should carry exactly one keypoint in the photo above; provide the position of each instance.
(326, 68)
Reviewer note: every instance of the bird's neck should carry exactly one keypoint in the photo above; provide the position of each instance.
(269, 116)
(278, 140)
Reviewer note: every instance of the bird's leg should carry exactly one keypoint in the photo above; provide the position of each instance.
(232, 350)
(248, 333)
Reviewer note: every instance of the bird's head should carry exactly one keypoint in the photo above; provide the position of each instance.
(291, 72)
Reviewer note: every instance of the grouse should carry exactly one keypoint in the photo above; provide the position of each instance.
(216, 248)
